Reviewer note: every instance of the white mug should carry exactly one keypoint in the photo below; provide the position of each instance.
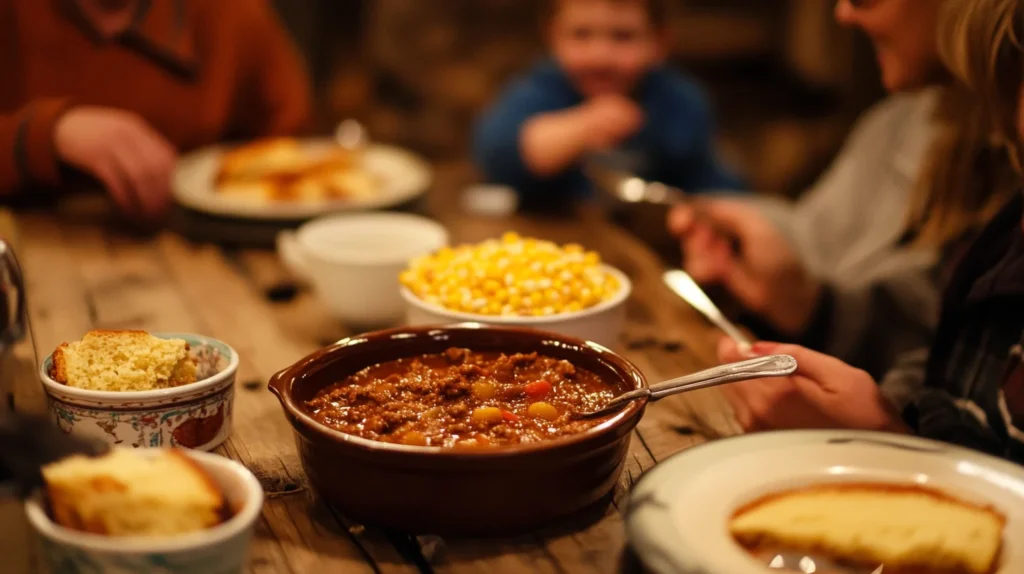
(353, 261)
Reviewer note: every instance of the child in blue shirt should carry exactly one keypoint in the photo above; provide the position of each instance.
(605, 91)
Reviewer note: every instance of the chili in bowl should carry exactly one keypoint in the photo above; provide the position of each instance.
(460, 430)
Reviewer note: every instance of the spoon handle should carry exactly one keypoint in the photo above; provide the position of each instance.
(756, 368)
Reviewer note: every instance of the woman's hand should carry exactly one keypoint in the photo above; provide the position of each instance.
(824, 392)
(766, 275)
(130, 158)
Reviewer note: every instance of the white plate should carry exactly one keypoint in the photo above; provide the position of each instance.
(403, 176)
(678, 514)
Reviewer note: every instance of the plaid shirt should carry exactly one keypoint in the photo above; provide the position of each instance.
(973, 382)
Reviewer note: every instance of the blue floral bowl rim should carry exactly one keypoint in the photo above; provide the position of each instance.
(243, 519)
(53, 387)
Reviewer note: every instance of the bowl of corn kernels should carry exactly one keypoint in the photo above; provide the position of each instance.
(519, 282)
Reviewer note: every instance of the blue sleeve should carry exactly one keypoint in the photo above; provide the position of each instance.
(496, 149)
(692, 162)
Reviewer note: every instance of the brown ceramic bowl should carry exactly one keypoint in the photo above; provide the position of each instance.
(485, 492)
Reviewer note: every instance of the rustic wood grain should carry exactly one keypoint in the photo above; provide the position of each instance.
(83, 274)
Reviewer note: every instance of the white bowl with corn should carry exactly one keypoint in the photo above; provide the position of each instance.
(519, 282)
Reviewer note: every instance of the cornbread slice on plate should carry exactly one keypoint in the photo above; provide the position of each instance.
(906, 528)
(125, 494)
(123, 361)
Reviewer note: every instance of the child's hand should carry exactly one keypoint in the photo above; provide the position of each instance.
(610, 119)
(130, 158)
(824, 392)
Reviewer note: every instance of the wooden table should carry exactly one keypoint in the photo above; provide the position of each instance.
(84, 274)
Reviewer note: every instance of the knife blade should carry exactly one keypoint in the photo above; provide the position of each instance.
(683, 285)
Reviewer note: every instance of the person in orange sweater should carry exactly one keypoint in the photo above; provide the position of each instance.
(118, 88)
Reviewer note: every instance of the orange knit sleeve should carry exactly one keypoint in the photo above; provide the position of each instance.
(278, 90)
(27, 153)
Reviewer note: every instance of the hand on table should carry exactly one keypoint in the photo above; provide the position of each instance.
(130, 158)
(766, 275)
(824, 392)
(610, 120)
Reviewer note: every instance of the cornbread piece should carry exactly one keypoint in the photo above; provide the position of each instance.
(123, 361)
(263, 158)
(906, 528)
(281, 169)
(123, 493)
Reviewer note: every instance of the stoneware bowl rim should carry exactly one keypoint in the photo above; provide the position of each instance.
(112, 398)
(252, 507)
(281, 384)
(625, 289)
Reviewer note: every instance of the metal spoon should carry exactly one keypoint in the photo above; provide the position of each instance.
(756, 368)
(683, 285)
(626, 187)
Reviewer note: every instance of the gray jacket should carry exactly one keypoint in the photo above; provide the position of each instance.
(847, 228)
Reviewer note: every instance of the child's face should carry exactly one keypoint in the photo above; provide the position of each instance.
(605, 46)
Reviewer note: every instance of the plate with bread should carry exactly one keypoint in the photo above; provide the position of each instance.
(829, 502)
(288, 178)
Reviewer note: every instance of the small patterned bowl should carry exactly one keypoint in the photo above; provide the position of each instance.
(219, 550)
(197, 415)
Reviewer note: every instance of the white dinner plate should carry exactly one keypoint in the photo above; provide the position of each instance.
(403, 175)
(678, 514)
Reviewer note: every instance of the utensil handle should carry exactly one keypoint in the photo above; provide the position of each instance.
(756, 368)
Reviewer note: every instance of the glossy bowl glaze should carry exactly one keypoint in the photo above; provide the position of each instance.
(485, 492)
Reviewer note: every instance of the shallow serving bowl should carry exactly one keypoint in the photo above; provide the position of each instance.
(219, 550)
(602, 323)
(197, 415)
(490, 491)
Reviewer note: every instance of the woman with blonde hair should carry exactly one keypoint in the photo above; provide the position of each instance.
(973, 380)
(853, 267)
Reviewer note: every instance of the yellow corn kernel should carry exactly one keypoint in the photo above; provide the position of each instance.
(540, 410)
(484, 391)
(486, 415)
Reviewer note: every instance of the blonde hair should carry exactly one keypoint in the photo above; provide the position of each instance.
(969, 174)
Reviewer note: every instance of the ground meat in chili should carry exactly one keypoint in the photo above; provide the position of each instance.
(461, 398)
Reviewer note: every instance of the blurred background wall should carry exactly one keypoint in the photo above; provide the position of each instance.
(786, 81)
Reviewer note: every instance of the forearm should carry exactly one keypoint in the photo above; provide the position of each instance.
(550, 143)
(27, 152)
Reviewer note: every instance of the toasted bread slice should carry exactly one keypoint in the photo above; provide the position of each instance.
(124, 493)
(903, 527)
(262, 158)
(123, 361)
